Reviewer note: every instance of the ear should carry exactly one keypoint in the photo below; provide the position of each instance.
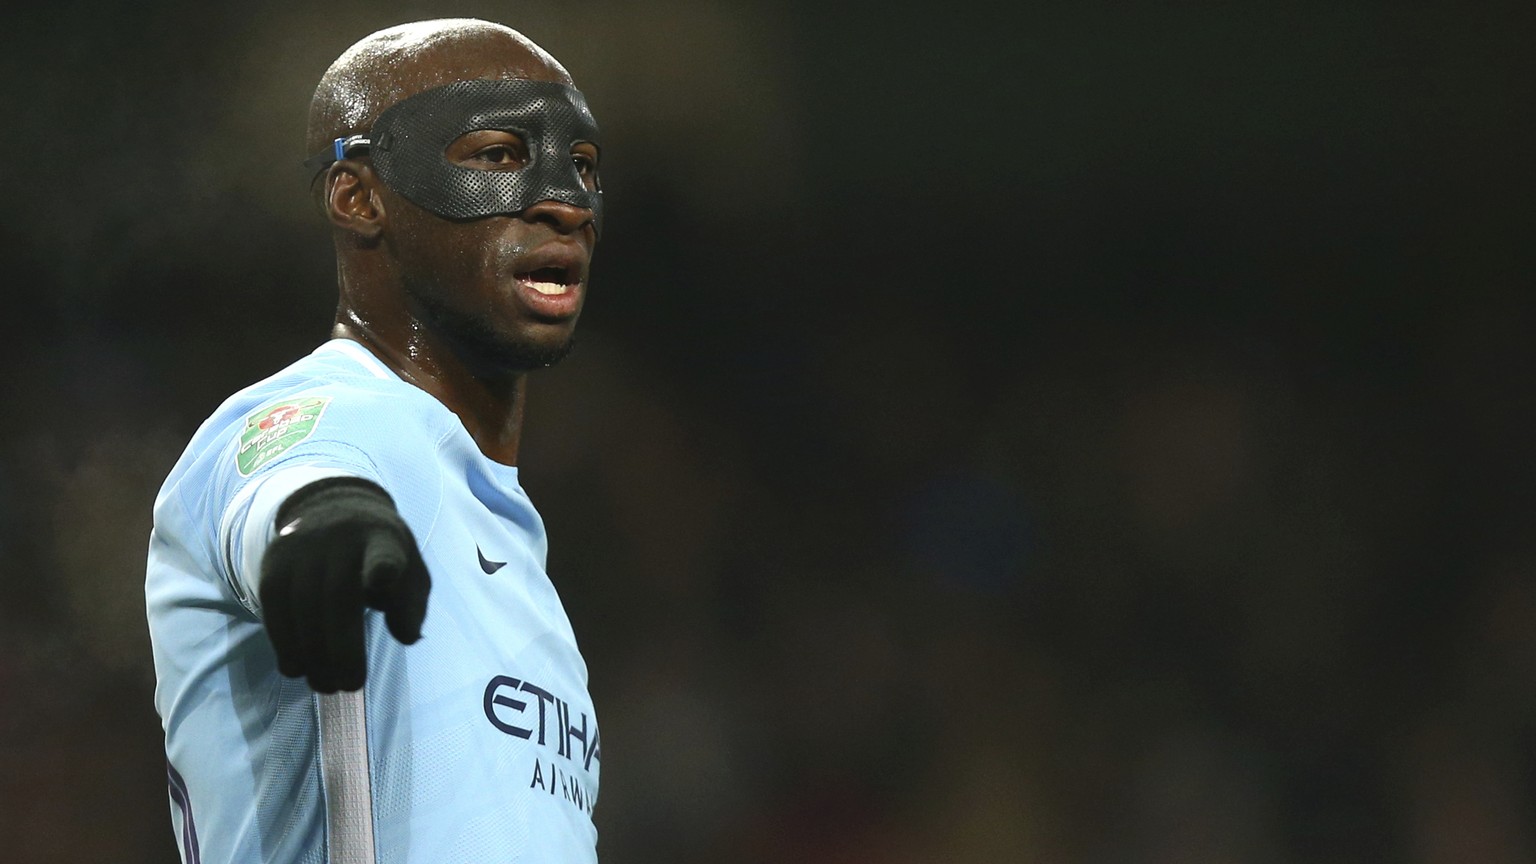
(352, 201)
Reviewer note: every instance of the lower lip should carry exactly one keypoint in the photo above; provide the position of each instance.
(563, 305)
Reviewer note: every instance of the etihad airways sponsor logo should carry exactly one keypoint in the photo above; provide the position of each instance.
(552, 722)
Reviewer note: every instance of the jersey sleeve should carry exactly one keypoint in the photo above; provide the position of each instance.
(325, 431)
(248, 525)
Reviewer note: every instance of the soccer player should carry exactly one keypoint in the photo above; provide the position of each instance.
(359, 655)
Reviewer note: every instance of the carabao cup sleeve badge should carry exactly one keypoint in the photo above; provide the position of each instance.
(276, 429)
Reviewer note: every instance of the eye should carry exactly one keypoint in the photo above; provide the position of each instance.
(584, 157)
(488, 150)
(498, 154)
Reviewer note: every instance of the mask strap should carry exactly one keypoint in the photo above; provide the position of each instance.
(340, 149)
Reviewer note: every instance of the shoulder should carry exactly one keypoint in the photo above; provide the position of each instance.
(336, 407)
(334, 412)
(339, 400)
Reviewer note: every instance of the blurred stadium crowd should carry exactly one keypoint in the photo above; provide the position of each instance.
(1096, 434)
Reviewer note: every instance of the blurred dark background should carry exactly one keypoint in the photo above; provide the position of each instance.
(1086, 432)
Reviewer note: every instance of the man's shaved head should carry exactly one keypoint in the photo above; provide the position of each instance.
(464, 233)
(401, 61)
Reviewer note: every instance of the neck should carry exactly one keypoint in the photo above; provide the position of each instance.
(490, 405)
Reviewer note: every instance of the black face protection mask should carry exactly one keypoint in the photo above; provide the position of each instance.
(409, 140)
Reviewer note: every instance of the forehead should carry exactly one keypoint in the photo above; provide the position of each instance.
(395, 64)
(435, 63)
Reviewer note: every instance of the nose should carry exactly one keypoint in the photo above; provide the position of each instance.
(563, 217)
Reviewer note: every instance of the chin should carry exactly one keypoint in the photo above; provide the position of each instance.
(526, 355)
(499, 346)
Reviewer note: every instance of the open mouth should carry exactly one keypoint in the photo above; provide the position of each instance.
(549, 281)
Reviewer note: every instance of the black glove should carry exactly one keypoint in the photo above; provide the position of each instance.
(341, 545)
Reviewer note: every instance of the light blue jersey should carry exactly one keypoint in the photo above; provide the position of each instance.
(478, 743)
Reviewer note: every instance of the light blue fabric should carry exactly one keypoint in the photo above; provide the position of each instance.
(482, 740)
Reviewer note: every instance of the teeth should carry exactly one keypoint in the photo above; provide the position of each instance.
(548, 288)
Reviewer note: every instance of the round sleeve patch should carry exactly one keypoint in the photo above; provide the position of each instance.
(275, 429)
